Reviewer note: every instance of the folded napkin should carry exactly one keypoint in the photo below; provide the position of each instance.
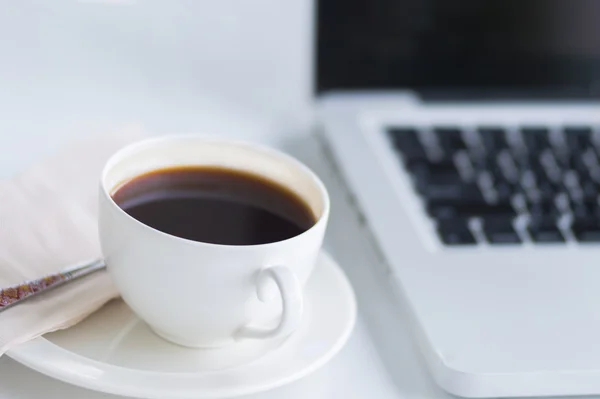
(48, 222)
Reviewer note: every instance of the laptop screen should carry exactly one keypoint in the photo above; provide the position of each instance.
(472, 48)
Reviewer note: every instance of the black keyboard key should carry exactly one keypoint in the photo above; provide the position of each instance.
(442, 167)
(442, 211)
(450, 139)
(530, 161)
(573, 161)
(536, 139)
(469, 208)
(488, 164)
(547, 191)
(432, 177)
(505, 190)
(406, 141)
(546, 208)
(540, 182)
(425, 169)
(578, 137)
(499, 230)
(585, 209)
(418, 169)
(493, 138)
(498, 208)
(447, 191)
(585, 177)
(589, 190)
(451, 191)
(497, 211)
(544, 229)
(586, 229)
(532, 166)
(455, 232)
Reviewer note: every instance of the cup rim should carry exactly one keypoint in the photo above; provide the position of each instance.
(132, 148)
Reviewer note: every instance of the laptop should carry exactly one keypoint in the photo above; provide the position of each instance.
(468, 133)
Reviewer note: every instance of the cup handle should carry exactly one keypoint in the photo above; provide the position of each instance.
(291, 300)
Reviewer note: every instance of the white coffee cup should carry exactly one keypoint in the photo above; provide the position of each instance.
(209, 295)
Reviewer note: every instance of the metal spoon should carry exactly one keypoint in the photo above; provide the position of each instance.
(18, 293)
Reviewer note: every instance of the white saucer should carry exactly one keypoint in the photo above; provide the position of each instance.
(113, 351)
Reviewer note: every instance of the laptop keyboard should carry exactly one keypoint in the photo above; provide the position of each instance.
(536, 185)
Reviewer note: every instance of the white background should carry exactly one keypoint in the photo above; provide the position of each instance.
(78, 68)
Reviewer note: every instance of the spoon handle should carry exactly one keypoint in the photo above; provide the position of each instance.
(16, 294)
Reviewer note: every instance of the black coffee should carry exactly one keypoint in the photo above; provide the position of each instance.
(215, 205)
